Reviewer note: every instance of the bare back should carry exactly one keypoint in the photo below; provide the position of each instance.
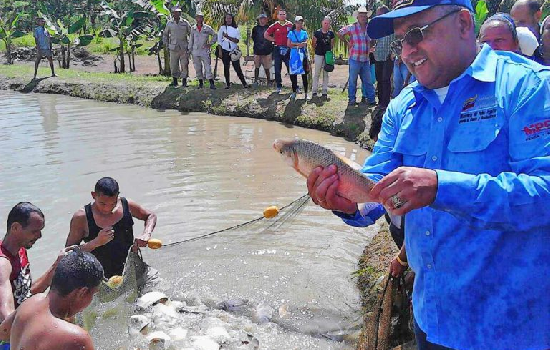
(35, 328)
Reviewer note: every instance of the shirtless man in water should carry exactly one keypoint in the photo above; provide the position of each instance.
(106, 226)
(39, 323)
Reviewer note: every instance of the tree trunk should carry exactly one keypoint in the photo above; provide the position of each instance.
(63, 56)
(7, 41)
(68, 55)
(121, 52)
(133, 59)
(166, 61)
(247, 40)
(159, 62)
(129, 54)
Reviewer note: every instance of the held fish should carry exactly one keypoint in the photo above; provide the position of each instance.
(304, 156)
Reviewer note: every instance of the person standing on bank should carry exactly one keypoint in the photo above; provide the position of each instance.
(323, 42)
(43, 43)
(278, 34)
(262, 49)
(200, 41)
(228, 38)
(106, 226)
(383, 64)
(176, 38)
(359, 65)
(464, 154)
(297, 41)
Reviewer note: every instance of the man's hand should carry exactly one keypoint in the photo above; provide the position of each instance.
(105, 236)
(413, 187)
(396, 269)
(322, 186)
(141, 241)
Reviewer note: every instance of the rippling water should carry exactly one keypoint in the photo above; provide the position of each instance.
(199, 173)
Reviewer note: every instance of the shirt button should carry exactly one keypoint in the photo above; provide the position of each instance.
(429, 266)
(434, 158)
(427, 233)
(440, 119)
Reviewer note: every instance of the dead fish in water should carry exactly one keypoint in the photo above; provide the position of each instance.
(233, 305)
(304, 156)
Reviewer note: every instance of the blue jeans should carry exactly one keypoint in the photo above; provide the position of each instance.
(400, 73)
(278, 61)
(422, 343)
(362, 69)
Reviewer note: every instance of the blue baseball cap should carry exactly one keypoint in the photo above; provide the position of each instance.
(381, 26)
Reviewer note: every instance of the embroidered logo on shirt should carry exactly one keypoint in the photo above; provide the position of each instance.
(536, 130)
(469, 103)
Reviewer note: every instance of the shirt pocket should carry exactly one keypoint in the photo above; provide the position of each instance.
(478, 143)
(411, 142)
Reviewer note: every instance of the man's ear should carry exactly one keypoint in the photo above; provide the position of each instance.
(467, 24)
(94, 194)
(15, 227)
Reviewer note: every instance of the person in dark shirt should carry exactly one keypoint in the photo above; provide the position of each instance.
(323, 41)
(262, 49)
(106, 226)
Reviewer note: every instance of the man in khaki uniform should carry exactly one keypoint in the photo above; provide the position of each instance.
(201, 39)
(176, 36)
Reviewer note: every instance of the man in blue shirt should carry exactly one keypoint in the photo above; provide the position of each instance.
(43, 42)
(464, 152)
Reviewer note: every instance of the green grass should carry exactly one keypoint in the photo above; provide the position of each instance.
(18, 70)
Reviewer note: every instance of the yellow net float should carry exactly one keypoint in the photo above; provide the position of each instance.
(154, 243)
(115, 281)
(271, 212)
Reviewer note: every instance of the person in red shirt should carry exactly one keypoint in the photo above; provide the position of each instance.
(277, 33)
(25, 224)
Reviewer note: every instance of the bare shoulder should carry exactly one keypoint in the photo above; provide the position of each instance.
(72, 337)
(5, 269)
(80, 214)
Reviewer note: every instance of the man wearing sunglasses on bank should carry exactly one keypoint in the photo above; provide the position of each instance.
(464, 153)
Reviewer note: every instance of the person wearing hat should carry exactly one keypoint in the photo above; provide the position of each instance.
(463, 152)
(262, 49)
(323, 42)
(358, 63)
(200, 41)
(43, 43)
(176, 38)
(277, 33)
(298, 62)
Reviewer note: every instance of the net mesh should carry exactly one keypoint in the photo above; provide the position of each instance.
(107, 318)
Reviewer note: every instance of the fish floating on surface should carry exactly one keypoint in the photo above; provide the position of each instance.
(304, 156)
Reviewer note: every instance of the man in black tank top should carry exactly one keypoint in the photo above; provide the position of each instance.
(106, 226)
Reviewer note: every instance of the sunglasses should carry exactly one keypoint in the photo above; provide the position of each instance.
(415, 35)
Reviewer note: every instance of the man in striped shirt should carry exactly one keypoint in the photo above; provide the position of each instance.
(359, 58)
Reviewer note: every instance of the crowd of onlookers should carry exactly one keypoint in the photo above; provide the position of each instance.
(521, 32)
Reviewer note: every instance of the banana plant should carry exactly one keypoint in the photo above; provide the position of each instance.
(9, 18)
(480, 15)
(127, 27)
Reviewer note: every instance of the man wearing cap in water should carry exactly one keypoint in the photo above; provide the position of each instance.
(464, 152)
(176, 38)
(106, 226)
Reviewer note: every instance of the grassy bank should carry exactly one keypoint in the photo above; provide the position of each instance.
(332, 115)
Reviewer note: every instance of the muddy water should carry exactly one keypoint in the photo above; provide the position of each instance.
(199, 173)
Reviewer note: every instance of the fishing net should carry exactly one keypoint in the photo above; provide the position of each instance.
(108, 317)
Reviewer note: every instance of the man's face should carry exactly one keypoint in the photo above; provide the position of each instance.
(176, 15)
(263, 21)
(103, 203)
(32, 232)
(281, 16)
(524, 18)
(429, 60)
(325, 24)
(362, 18)
(200, 20)
(498, 35)
(41, 22)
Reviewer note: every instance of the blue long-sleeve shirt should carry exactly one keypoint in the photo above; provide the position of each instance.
(481, 251)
